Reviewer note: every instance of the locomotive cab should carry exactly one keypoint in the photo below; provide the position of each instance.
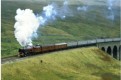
(21, 53)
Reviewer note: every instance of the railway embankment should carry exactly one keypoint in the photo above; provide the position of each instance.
(88, 63)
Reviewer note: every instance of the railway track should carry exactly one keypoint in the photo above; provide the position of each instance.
(12, 59)
(9, 59)
(15, 58)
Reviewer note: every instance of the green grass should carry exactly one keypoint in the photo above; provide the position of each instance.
(82, 26)
(76, 64)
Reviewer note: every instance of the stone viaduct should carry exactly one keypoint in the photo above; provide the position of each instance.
(111, 46)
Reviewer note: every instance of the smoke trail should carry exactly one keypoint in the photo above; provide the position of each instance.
(52, 11)
(83, 8)
(110, 6)
(49, 13)
(27, 22)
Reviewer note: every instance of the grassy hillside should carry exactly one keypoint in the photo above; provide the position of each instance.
(82, 26)
(77, 64)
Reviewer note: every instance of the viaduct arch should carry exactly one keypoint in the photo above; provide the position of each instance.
(109, 50)
(112, 48)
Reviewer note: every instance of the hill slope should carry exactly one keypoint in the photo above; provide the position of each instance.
(76, 64)
(82, 26)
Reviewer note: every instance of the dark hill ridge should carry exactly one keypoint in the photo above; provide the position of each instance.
(91, 24)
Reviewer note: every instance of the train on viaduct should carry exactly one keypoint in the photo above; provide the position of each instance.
(112, 46)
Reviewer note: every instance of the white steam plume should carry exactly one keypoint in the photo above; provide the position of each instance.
(25, 27)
